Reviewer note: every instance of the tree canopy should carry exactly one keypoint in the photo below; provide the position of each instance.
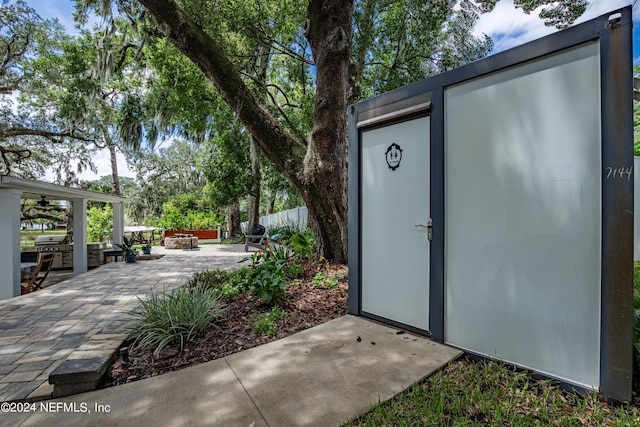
(234, 75)
(31, 63)
(350, 49)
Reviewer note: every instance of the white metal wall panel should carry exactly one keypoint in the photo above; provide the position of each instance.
(523, 215)
(636, 202)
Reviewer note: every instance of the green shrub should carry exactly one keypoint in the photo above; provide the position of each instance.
(175, 316)
(265, 324)
(268, 282)
(324, 281)
(277, 253)
(99, 223)
(211, 279)
(293, 269)
(287, 257)
(221, 280)
(189, 212)
(266, 277)
(285, 231)
(241, 279)
(304, 243)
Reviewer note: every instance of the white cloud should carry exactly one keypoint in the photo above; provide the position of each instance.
(600, 7)
(510, 27)
(102, 160)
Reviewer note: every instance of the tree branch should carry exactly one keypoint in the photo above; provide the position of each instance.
(277, 46)
(30, 215)
(282, 148)
(7, 152)
(53, 136)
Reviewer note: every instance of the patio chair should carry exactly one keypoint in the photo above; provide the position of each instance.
(32, 280)
(255, 239)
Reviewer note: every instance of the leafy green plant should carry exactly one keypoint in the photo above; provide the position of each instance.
(304, 243)
(286, 231)
(269, 282)
(175, 316)
(324, 281)
(265, 324)
(278, 253)
(220, 280)
(267, 276)
(240, 279)
(212, 279)
(293, 269)
(189, 212)
(99, 223)
(127, 247)
(285, 256)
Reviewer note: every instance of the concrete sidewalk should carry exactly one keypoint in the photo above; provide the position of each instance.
(323, 376)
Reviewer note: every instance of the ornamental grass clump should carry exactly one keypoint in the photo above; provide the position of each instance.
(173, 317)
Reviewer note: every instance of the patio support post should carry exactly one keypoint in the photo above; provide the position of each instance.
(118, 222)
(10, 236)
(79, 236)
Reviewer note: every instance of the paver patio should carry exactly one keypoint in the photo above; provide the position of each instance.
(75, 318)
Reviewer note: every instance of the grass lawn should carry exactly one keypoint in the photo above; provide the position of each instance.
(470, 393)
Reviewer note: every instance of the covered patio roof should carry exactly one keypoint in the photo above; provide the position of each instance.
(12, 190)
(36, 189)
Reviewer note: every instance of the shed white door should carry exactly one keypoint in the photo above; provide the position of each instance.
(395, 198)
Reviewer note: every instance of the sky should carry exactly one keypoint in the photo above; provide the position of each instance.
(507, 26)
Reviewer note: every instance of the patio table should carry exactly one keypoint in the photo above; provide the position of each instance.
(27, 265)
(112, 252)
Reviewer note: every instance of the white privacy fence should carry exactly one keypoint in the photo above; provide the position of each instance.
(293, 217)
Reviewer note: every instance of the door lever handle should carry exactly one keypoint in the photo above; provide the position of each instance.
(429, 228)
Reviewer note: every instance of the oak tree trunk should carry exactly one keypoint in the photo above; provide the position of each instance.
(328, 30)
(114, 171)
(254, 196)
(114, 161)
(318, 168)
(271, 205)
(233, 221)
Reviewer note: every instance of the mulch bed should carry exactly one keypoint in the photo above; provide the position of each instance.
(306, 306)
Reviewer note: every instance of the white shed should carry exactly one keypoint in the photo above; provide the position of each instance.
(491, 206)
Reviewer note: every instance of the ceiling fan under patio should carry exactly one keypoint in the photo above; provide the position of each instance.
(43, 203)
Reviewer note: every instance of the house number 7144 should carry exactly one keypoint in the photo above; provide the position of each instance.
(619, 172)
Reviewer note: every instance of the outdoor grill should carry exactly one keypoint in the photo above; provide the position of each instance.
(63, 251)
(52, 240)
